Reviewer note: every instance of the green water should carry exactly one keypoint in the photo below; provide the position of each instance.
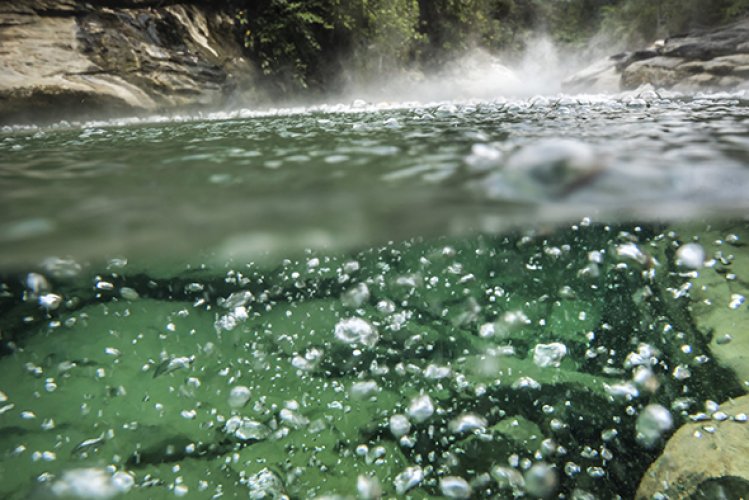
(347, 177)
(490, 299)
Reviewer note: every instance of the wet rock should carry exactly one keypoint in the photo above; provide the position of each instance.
(718, 297)
(714, 59)
(320, 463)
(91, 380)
(64, 58)
(700, 456)
(601, 76)
(512, 435)
(659, 71)
(706, 45)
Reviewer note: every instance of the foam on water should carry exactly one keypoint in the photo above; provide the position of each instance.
(495, 93)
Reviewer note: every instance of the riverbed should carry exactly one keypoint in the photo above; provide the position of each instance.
(468, 298)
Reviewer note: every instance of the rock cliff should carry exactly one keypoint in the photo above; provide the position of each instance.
(709, 60)
(68, 59)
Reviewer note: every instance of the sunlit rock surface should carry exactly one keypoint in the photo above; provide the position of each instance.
(65, 59)
(714, 59)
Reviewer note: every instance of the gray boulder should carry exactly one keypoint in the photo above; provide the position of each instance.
(708, 60)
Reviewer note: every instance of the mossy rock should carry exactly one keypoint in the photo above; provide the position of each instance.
(511, 435)
(571, 320)
(699, 453)
(507, 371)
(292, 328)
(314, 464)
(716, 295)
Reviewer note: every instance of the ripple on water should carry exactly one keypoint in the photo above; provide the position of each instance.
(676, 149)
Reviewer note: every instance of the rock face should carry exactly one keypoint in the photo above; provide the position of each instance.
(717, 59)
(718, 298)
(704, 458)
(68, 59)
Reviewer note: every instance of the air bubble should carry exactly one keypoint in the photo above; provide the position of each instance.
(246, 429)
(421, 408)
(238, 396)
(541, 480)
(408, 479)
(399, 425)
(546, 355)
(455, 487)
(652, 423)
(691, 255)
(129, 293)
(356, 331)
(467, 422)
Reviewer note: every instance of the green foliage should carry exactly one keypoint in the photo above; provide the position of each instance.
(303, 45)
(453, 26)
(642, 21)
(735, 9)
(575, 21)
(386, 35)
(286, 37)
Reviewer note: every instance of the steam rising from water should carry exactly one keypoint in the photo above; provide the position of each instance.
(481, 75)
(477, 75)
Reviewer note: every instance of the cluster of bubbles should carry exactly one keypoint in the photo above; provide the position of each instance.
(477, 368)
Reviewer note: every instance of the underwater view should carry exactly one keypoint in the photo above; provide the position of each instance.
(534, 297)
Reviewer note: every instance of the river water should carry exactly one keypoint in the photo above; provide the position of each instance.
(497, 297)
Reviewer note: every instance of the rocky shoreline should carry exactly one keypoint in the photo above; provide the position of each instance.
(709, 60)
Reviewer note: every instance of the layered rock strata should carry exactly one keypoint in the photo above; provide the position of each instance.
(66, 59)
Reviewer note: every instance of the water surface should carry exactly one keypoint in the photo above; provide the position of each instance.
(347, 176)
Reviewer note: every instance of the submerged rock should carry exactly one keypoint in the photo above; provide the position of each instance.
(718, 297)
(701, 456)
(542, 170)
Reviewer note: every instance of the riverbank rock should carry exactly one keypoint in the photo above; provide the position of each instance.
(69, 59)
(708, 60)
(704, 458)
